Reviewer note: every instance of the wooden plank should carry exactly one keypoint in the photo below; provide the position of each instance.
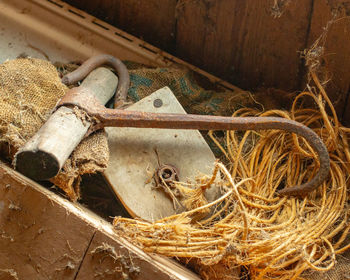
(242, 41)
(44, 236)
(336, 49)
(38, 237)
(108, 258)
(245, 42)
(152, 20)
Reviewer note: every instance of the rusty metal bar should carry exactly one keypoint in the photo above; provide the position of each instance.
(120, 118)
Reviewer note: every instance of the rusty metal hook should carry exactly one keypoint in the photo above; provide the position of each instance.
(99, 60)
(120, 118)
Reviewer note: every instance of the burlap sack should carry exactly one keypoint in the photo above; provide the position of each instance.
(192, 97)
(29, 90)
(197, 99)
(341, 270)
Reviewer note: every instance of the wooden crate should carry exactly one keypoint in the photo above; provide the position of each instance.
(250, 43)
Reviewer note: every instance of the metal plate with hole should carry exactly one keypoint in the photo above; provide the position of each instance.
(134, 159)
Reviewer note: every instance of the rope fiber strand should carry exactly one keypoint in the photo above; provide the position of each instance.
(274, 237)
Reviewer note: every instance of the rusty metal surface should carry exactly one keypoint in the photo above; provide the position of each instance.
(164, 177)
(103, 117)
(167, 174)
(99, 60)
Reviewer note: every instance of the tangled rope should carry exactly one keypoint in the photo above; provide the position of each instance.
(249, 225)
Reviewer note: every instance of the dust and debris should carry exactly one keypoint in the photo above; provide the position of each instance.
(315, 55)
(70, 247)
(107, 250)
(13, 206)
(82, 115)
(6, 236)
(127, 266)
(66, 256)
(11, 272)
(279, 7)
(339, 8)
(70, 265)
(125, 276)
(33, 263)
(45, 259)
(102, 274)
(27, 226)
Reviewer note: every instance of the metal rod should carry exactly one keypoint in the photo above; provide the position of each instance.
(120, 118)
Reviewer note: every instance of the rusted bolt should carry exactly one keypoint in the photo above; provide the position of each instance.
(165, 176)
(167, 173)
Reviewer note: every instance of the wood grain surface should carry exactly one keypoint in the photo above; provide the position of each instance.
(336, 46)
(252, 44)
(244, 41)
(151, 20)
(44, 236)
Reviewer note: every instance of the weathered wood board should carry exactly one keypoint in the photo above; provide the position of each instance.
(336, 46)
(245, 42)
(137, 18)
(39, 238)
(249, 43)
(44, 236)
